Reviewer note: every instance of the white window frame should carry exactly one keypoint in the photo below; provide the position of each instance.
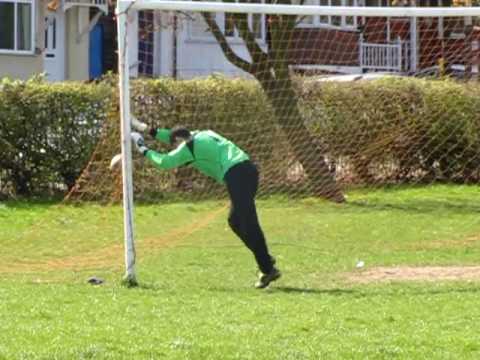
(328, 25)
(235, 38)
(14, 51)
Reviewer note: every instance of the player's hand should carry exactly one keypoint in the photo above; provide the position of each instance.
(139, 142)
(138, 125)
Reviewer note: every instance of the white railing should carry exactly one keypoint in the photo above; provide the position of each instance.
(383, 57)
(100, 4)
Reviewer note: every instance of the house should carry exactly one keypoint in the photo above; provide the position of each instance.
(405, 45)
(76, 40)
(182, 46)
(65, 39)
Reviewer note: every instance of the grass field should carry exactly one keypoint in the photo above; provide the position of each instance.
(196, 299)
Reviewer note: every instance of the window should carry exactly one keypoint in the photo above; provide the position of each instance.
(16, 26)
(198, 29)
(255, 24)
(330, 21)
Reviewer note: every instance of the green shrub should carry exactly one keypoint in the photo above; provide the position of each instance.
(47, 133)
(398, 129)
(235, 108)
(230, 107)
(376, 132)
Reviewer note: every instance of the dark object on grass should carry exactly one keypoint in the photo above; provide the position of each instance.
(95, 281)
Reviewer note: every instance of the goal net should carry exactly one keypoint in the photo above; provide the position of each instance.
(322, 97)
(372, 103)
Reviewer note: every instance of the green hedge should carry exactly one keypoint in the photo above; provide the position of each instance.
(376, 132)
(395, 129)
(47, 133)
(231, 107)
(399, 129)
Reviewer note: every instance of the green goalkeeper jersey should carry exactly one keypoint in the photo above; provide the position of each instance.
(208, 152)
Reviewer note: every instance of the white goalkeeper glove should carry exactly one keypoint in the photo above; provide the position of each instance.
(138, 125)
(139, 143)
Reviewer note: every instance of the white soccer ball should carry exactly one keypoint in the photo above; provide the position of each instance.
(116, 160)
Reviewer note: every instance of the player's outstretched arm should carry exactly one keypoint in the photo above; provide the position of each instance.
(178, 157)
(164, 161)
(139, 144)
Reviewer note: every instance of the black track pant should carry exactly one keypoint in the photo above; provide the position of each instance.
(242, 184)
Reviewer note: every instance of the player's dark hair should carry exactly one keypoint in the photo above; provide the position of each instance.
(179, 131)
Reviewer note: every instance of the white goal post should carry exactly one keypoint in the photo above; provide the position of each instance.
(125, 7)
(125, 126)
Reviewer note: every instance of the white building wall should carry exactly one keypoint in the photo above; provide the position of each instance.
(164, 45)
(194, 55)
(23, 67)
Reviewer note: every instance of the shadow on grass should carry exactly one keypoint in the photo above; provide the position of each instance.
(271, 290)
(420, 206)
(360, 291)
(295, 290)
(386, 291)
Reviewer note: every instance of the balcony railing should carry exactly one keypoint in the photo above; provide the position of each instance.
(384, 57)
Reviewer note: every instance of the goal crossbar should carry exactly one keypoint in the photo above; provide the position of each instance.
(274, 9)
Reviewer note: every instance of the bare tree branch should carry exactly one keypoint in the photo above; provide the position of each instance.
(222, 41)
(271, 69)
(256, 52)
(281, 30)
(300, 18)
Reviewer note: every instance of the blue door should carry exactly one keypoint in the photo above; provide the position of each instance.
(96, 52)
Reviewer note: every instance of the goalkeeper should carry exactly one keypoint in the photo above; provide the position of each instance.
(219, 158)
